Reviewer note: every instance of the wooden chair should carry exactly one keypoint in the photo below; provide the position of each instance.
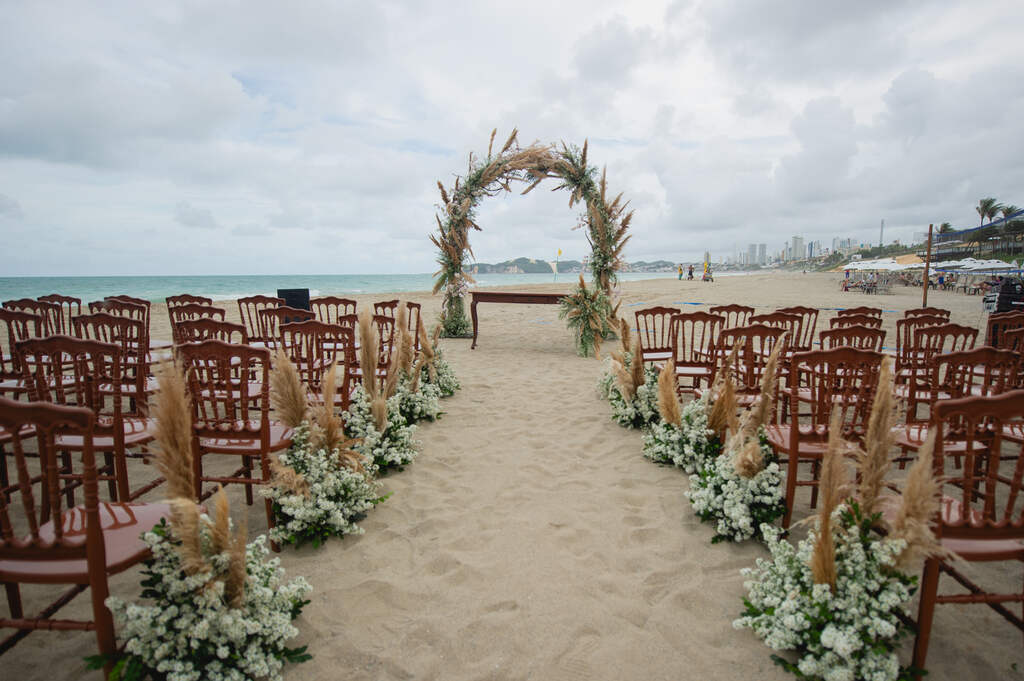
(981, 517)
(825, 380)
(191, 312)
(81, 546)
(863, 310)
(147, 308)
(128, 335)
(756, 344)
(329, 308)
(229, 388)
(808, 326)
(928, 312)
(187, 299)
(90, 373)
(735, 315)
(929, 343)
(48, 313)
(653, 326)
(855, 320)
(856, 336)
(249, 309)
(207, 328)
(790, 323)
(389, 308)
(908, 354)
(999, 323)
(15, 326)
(272, 318)
(313, 347)
(69, 307)
(694, 336)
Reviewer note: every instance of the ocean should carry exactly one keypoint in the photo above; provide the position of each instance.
(230, 287)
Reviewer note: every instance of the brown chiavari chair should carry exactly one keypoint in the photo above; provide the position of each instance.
(908, 354)
(128, 334)
(653, 326)
(313, 347)
(694, 336)
(757, 341)
(191, 312)
(928, 312)
(842, 378)
(735, 315)
(856, 336)
(999, 323)
(230, 394)
(147, 307)
(249, 310)
(69, 307)
(80, 546)
(855, 320)
(329, 309)
(981, 518)
(930, 342)
(808, 326)
(389, 308)
(187, 299)
(272, 318)
(862, 310)
(90, 373)
(49, 313)
(15, 326)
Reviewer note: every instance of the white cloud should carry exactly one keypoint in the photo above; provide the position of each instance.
(188, 215)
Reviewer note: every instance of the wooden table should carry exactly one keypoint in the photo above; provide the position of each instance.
(510, 297)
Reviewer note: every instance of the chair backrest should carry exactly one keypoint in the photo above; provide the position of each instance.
(127, 335)
(69, 307)
(1013, 340)
(329, 308)
(389, 308)
(792, 323)
(349, 321)
(229, 388)
(694, 337)
(906, 336)
(981, 371)
(653, 326)
(271, 319)
(999, 323)
(15, 326)
(756, 344)
(982, 482)
(21, 536)
(190, 312)
(207, 328)
(386, 339)
(249, 309)
(141, 302)
(855, 336)
(862, 310)
(808, 326)
(735, 315)
(314, 346)
(932, 341)
(121, 308)
(855, 320)
(49, 313)
(927, 312)
(843, 379)
(187, 298)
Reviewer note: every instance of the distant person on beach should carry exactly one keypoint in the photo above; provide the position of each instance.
(709, 275)
(680, 268)
(689, 274)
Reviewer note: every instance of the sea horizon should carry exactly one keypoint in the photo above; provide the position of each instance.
(156, 288)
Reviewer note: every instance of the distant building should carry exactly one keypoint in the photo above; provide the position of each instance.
(762, 254)
(798, 249)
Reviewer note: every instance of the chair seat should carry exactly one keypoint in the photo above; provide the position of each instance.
(693, 371)
(123, 525)
(977, 549)
(656, 355)
(912, 436)
(137, 431)
(6, 435)
(280, 438)
(813, 440)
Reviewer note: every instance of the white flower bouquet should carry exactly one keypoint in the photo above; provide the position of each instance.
(845, 633)
(391, 447)
(636, 410)
(738, 505)
(423, 403)
(332, 496)
(441, 375)
(690, 445)
(189, 631)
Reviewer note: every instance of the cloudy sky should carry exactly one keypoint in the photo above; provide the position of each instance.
(277, 137)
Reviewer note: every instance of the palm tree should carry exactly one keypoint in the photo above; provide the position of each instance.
(945, 228)
(993, 211)
(984, 207)
(1006, 211)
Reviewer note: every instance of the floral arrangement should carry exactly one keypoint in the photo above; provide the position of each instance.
(631, 388)
(605, 221)
(434, 368)
(837, 600)
(682, 437)
(587, 313)
(418, 401)
(216, 607)
(388, 442)
(741, 489)
(319, 492)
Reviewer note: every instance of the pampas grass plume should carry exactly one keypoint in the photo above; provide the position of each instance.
(287, 392)
(368, 349)
(668, 400)
(173, 436)
(220, 533)
(832, 483)
(234, 582)
(185, 525)
(873, 462)
(636, 365)
(919, 504)
(625, 381)
(287, 478)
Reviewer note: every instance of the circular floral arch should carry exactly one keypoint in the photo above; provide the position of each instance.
(606, 223)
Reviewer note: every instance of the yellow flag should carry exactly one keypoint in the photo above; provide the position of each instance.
(559, 251)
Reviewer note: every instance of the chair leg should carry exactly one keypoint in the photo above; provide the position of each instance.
(104, 621)
(247, 464)
(108, 464)
(14, 600)
(790, 487)
(815, 475)
(925, 612)
(69, 490)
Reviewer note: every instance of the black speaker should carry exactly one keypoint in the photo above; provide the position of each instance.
(295, 297)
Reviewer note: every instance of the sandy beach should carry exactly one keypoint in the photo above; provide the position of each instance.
(531, 540)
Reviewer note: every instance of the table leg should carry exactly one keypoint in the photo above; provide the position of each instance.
(472, 312)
